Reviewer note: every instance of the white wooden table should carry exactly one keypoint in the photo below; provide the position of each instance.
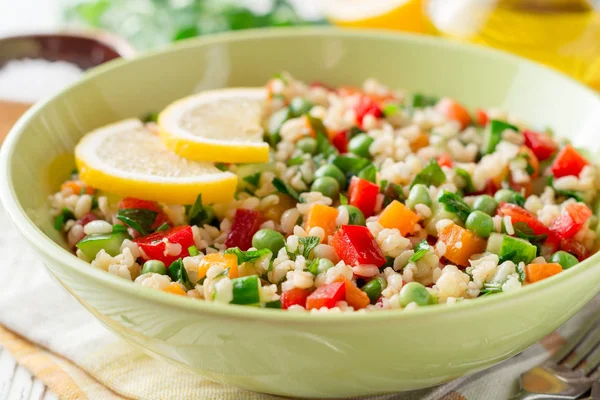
(16, 383)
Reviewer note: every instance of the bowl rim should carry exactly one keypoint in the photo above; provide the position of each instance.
(60, 255)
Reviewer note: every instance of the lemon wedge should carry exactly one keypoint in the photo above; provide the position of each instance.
(402, 15)
(127, 159)
(219, 125)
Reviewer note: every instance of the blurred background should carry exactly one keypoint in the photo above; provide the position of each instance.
(564, 34)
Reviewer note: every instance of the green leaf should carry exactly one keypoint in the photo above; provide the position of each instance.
(350, 166)
(253, 179)
(284, 188)
(151, 117)
(524, 231)
(455, 204)
(62, 218)
(507, 257)
(178, 273)
(199, 214)
(421, 249)
(566, 193)
(391, 109)
(493, 135)
(280, 76)
(490, 288)
(324, 146)
(521, 273)
(519, 199)
(117, 228)
(368, 173)
(355, 130)
(92, 12)
(140, 219)
(221, 166)
(432, 174)
(163, 227)
(247, 256)
(299, 160)
(343, 200)
(392, 191)
(309, 243)
(469, 187)
(186, 32)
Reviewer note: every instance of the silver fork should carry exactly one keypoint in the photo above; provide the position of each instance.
(570, 372)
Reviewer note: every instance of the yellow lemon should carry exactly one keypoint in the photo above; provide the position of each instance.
(127, 159)
(219, 125)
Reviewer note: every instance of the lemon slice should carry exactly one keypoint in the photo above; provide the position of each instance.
(403, 15)
(219, 125)
(127, 159)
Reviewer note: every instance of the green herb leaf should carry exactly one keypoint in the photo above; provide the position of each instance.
(524, 231)
(295, 161)
(507, 257)
(519, 199)
(324, 146)
(350, 166)
(151, 117)
(247, 256)
(178, 273)
(309, 243)
(140, 219)
(421, 249)
(343, 200)
(62, 218)
(392, 191)
(368, 173)
(490, 288)
(389, 262)
(391, 109)
(432, 174)
(117, 228)
(465, 176)
(253, 179)
(198, 214)
(455, 204)
(163, 227)
(493, 135)
(284, 188)
(273, 304)
(355, 130)
(565, 193)
(193, 250)
(221, 166)
(521, 272)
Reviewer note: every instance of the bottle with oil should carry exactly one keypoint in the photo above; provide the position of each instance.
(564, 34)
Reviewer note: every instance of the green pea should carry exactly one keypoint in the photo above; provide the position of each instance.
(155, 266)
(566, 260)
(299, 106)
(360, 144)
(480, 224)
(418, 195)
(373, 288)
(268, 239)
(485, 203)
(321, 266)
(505, 195)
(355, 216)
(332, 171)
(307, 145)
(327, 185)
(414, 292)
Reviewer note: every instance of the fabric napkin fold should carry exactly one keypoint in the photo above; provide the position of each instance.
(57, 340)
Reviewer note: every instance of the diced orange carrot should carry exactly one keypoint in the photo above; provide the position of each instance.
(175, 288)
(78, 187)
(397, 215)
(223, 260)
(323, 216)
(460, 243)
(420, 141)
(354, 296)
(454, 110)
(346, 91)
(537, 272)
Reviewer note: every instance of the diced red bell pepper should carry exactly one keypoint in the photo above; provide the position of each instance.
(366, 106)
(576, 248)
(340, 141)
(568, 162)
(363, 195)
(444, 160)
(132, 202)
(326, 296)
(87, 218)
(573, 218)
(541, 144)
(481, 117)
(356, 245)
(154, 248)
(519, 214)
(245, 224)
(294, 296)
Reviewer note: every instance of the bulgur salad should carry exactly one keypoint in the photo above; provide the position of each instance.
(372, 199)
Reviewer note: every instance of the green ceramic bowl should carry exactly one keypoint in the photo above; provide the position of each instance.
(290, 353)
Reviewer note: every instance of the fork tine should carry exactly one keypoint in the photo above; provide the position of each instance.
(591, 362)
(574, 340)
(584, 348)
